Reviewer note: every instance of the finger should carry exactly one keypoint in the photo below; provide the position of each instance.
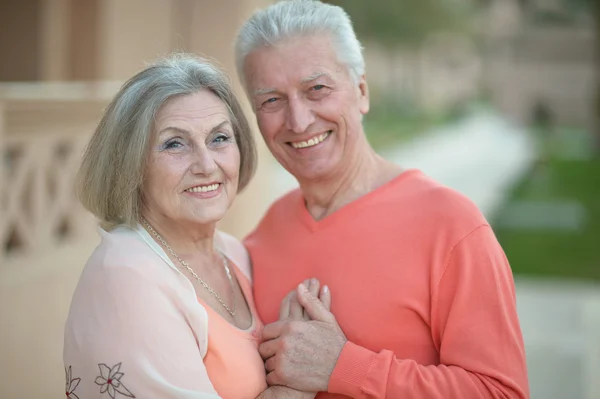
(313, 305)
(296, 310)
(270, 364)
(273, 379)
(284, 308)
(268, 349)
(325, 297)
(273, 330)
(313, 288)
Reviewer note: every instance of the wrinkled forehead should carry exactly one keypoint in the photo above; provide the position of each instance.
(201, 109)
(292, 62)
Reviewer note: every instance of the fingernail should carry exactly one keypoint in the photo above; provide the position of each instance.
(302, 288)
(313, 280)
(326, 289)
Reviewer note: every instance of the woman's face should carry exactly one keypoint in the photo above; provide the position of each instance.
(193, 166)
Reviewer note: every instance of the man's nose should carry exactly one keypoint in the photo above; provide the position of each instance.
(299, 115)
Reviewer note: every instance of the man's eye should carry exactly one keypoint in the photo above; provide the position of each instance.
(270, 100)
(318, 87)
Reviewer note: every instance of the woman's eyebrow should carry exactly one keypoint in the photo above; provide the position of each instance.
(187, 133)
(220, 126)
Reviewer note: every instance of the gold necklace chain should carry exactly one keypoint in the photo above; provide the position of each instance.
(193, 273)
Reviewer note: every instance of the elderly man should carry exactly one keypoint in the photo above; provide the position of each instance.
(423, 296)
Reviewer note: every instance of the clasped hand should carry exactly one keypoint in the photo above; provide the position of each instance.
(301, 349)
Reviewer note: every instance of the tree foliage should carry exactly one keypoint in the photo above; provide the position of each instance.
(405, 22)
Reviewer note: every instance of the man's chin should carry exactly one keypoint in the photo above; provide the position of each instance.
(310, 174)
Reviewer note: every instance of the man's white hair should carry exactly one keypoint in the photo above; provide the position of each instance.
(288, 19)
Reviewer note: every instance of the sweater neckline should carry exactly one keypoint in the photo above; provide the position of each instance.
(351, 208)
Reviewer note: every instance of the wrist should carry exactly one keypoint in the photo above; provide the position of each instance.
(351, 370)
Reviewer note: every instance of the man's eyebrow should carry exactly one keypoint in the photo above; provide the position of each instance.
(261, 92)
(308, 79)
(315, 77)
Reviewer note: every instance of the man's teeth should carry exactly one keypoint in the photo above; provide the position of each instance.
(203, 189)
(311, 142)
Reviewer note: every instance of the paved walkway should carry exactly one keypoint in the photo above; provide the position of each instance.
(482, 157)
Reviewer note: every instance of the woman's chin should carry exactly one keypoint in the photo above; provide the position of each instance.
(207, 216)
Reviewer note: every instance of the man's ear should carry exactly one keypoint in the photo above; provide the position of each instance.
(363, 95)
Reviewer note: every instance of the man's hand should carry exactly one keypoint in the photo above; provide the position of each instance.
(279, 392)
(291, 309)
(303, 354)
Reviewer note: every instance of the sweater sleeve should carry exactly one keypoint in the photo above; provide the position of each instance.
(127, 337)
(475, 328)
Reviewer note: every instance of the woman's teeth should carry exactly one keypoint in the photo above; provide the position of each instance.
(203, 189)
(312, 142)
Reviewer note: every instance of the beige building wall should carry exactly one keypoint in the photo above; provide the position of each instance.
(19, 45)
(97, 41)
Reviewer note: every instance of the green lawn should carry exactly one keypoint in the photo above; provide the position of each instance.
(386, 126)
(384, 132)
(563, 254)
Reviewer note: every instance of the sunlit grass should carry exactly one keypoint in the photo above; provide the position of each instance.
(562, 254)
(387, 126)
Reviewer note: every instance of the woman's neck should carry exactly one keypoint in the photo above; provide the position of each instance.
(185, 239)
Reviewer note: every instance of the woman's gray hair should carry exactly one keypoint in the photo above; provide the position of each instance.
(111, 176)
(297, 18)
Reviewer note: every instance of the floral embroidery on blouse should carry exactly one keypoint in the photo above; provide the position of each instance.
(71, 384)
(110, 381)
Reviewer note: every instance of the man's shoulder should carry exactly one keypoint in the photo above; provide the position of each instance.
(432, 200)
(279, 212)
(286, 203)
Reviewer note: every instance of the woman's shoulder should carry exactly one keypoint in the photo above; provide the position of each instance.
(123, 247)
(124, 256)
(234, 250)
(126, 280)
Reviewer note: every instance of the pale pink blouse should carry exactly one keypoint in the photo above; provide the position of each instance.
(137, 329)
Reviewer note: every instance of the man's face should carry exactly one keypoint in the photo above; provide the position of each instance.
(307, 106)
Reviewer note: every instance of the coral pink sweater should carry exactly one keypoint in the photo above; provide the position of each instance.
(420, 287)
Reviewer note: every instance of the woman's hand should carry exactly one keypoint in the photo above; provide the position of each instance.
(291, 309)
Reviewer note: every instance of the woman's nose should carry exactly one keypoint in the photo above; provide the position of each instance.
(204, 162)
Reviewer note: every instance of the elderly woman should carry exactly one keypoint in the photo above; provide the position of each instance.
(164, 308)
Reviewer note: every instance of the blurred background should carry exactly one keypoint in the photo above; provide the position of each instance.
(499, 99)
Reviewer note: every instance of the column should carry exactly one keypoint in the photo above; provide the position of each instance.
(54, 36)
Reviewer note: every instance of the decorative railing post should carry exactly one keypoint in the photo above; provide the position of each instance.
(3, 180)
(43, 131)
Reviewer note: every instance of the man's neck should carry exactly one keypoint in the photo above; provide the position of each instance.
(367, 172)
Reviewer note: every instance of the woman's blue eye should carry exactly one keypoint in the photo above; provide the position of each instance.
(221, 138)
(172, 144)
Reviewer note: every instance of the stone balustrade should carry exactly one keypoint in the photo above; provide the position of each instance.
(43, 131)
